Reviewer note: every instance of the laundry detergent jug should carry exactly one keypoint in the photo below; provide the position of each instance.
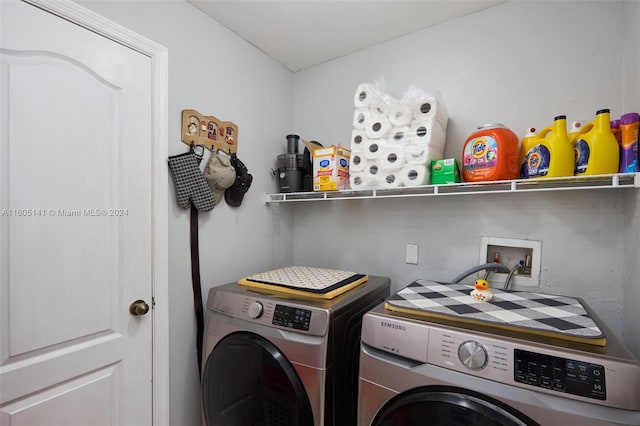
(597, 151)
(551, 154)
(527, 142)
(491, 153)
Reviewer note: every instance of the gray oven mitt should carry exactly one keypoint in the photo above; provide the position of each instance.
(191, 187)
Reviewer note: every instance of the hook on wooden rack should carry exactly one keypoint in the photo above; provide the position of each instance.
(208, 131)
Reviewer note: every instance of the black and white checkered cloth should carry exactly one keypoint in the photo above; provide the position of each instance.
(533, 311)
(191, 187)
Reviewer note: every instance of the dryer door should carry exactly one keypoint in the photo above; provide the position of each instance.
(441, 405)
(248, 381)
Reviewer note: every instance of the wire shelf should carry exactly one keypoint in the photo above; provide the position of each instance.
(610, 181)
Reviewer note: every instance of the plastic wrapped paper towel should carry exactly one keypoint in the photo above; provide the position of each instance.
(377, 126)
(431, 107)
(366, 94)
(361, 117)
(399, 136)
(422, 154)
(400, 116)
(394, 141)
(415, 175)
(358, 139)
(374, 148)
(392, 158)
(428, 132)
(357, 162)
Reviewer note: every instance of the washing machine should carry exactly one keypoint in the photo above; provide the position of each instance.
(433, 372)
(278, 360)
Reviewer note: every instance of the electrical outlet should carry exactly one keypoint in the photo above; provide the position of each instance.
(412, 254)
(511, 252)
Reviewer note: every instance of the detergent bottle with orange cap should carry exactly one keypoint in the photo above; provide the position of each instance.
(597, 151)
(490, 153)
(551, 154)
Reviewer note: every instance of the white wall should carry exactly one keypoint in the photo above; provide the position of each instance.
(519, 63)
(632, 201)
(216, 73)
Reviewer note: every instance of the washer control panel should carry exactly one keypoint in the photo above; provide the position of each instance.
(560, 374)
(290, 317)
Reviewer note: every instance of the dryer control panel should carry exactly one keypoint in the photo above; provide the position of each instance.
(290, 317)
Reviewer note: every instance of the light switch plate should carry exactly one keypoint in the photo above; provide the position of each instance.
(412, 254)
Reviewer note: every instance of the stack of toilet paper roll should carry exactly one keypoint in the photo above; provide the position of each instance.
(393, 143)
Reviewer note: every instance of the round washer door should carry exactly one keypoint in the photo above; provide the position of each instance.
(445, 406)
(248, 381)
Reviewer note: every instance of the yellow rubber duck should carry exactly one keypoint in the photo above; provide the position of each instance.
(481, 291)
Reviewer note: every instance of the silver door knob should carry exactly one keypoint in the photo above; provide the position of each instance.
(138, 307)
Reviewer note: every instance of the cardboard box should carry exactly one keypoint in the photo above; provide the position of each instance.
(331, 168)
(445, 171)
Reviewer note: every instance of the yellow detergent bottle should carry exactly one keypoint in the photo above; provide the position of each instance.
(551, 153)
(576, 129)
(528, 141)
(597, 151)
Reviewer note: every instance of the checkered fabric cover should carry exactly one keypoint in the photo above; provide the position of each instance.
(523, 310)
(315, 280)
(190, 183)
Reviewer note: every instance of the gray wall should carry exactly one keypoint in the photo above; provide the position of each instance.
(518, 63)
(631, 74)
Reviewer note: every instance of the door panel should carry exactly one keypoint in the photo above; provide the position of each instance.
(75, 192)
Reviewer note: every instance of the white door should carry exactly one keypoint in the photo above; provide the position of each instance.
(76, 229)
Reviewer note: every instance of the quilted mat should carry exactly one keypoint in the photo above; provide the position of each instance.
(537, 313)
(305, 281)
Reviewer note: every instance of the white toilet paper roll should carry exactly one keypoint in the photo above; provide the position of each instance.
(379, 107)
(400, 116)
(415, 175)
(365, 95)
(358, 140)
(422, 154)
(392, 158)
(361, 117)
(357, 162)
(431, 107)
(377, 126)
(357, 180)
(391, 179)
(373, 148)
(427, 132)
(399, 136)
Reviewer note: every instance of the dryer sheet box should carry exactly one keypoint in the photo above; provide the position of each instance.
(331, 168)
(445, 171)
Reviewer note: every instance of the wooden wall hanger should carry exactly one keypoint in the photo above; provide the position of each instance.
(209, 132)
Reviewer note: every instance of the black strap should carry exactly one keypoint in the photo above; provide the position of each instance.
(195, 279)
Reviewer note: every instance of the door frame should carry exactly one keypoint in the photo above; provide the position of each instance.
(159, 56)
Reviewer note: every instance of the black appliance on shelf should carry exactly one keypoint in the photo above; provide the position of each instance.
(295, 171)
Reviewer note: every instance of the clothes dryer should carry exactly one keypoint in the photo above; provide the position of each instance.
(434, 372)
(275, 360)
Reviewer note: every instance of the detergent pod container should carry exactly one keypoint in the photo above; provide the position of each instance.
(551, 153)
(597, 151)
(491, 153)
(629, 124)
